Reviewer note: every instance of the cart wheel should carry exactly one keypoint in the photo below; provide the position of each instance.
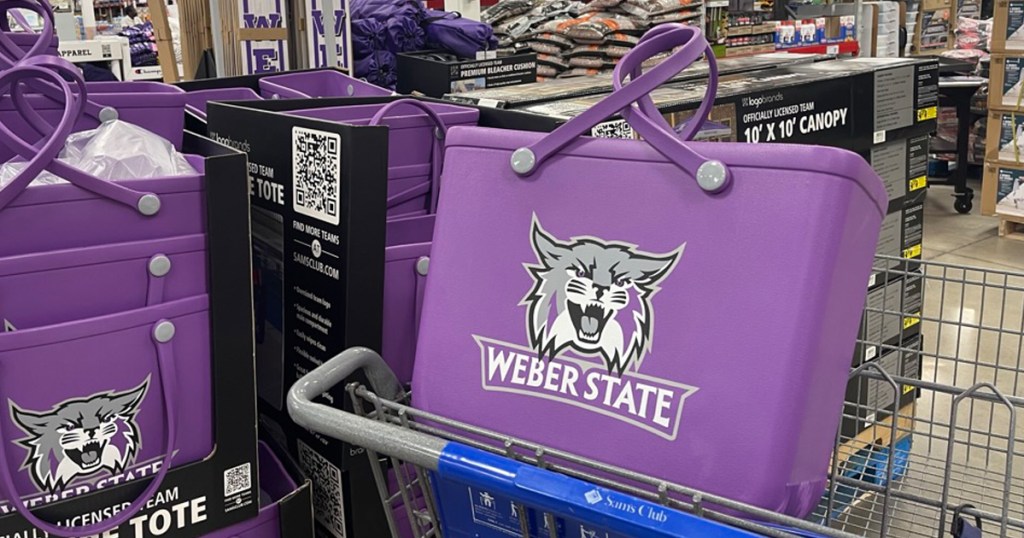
(963, 204)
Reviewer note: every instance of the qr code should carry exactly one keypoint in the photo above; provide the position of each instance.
(328, 501)
(316, 165)
(237, 479)
(613, 129)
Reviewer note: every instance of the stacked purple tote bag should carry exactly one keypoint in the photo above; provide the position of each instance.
(685, 310)
(103, 295)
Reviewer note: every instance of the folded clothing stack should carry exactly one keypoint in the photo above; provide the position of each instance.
(383, 28)
(574, 38)
(143, 43)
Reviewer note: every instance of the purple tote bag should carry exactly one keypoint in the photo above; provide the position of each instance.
(196, 101)
(406, 262)
(154, 106)
(53, 287)
(102, 291)
(87, 211)
(275, 485)
(321, 83)
(115, 387)
(696, 303)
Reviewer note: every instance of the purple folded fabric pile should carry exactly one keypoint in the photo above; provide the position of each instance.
(383, 28)
(143, 43)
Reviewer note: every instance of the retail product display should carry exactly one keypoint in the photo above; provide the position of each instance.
(590, 264)
(554, 90)
(383, 28)
(325, 83)
(933, 28)
(435, 75)
(142, 43)
(126, 383)
(821, 102)
(374, 260)
(1008, 26)
(457, 288)
(1002, 194)
(883, 22)
(575, 38)
(749, 33)
(157, 266)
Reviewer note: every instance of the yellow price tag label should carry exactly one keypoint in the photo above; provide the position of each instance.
(918, 183)
(908, 388)
(929, 113)
(910, 321)
(912, 252)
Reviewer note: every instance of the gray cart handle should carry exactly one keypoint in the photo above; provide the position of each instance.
(412, 446)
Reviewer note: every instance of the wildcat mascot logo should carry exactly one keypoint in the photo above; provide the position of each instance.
(589, 327)
(587, 283)
(80, 437)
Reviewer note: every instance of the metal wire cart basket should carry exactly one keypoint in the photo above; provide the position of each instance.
(929, 443)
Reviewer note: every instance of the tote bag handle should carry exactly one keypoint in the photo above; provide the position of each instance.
(50, 71)
(10, 53)
(162, 334)
(440, 130)
(711, 175)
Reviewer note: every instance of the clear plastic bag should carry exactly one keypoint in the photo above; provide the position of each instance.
(116, 150)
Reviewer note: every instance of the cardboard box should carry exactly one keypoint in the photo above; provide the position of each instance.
(902, 165)
(933, 32)
(567, 88)
(892, 315)
(1002, 189)
(430, 74)
(890, 243)
(870, 400)
(854, 104)
(1004, 137)
(1008, 26)
(1006, 78)
(913, 230)
(318, 267)
(194, 499)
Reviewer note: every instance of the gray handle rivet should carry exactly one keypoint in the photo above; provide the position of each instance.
(423, 266)
(159, 265)
(163, 332)
(351, 89)
(438, 133)
(712, 175)
(108, 114)
(149, 204)
(523, 160)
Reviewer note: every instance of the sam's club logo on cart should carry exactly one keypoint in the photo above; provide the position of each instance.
(590, 325)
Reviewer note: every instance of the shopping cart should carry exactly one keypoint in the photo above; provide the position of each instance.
(929, 442)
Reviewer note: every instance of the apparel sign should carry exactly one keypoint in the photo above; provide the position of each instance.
(317, 31)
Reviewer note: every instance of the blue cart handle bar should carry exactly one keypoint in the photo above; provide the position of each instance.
(537, 488)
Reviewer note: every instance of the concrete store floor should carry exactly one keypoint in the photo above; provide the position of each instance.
(971, 331)
(966, 239)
